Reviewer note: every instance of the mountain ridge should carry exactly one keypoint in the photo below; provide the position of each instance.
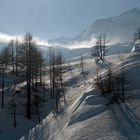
(121, 27)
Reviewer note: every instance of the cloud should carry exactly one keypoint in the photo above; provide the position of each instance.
(6, 38)
(83, 44)
(77, 44)
(41, 41)
(92, 42)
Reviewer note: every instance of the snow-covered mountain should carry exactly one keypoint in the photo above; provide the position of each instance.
(119, 29)
(68, 54)
(76, 53)
(61, 40)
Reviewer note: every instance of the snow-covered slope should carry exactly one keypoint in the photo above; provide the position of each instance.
(76, 53)
(92, 119)
(87, 115)
(68, 54)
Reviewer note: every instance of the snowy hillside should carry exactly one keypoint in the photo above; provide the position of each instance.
(66, 90)
(75, 54)
(87, 115)
(70, 70)
(93, 119)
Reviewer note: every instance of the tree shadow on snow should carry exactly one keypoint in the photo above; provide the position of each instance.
(126, 121)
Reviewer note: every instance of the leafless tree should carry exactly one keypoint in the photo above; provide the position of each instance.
(137, 34)
(99, 50)
(29, 53)
(82, 64)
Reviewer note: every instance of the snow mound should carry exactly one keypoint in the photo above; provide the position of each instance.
(92, 100)
(91, 104)
(136, 47)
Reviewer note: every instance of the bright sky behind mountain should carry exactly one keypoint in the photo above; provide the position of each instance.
(53, 18)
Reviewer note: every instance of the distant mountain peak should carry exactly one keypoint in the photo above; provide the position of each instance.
(121, 27)
(134, 11)
(61, 40)
(118, 29)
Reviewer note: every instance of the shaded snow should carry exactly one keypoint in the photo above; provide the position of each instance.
(86, 114)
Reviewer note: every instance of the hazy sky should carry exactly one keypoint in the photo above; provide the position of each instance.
(52, 18)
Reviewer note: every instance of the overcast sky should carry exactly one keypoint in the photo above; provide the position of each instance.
(52, 18)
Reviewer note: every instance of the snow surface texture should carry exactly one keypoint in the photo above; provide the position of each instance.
(88, 117)
(92, 119)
